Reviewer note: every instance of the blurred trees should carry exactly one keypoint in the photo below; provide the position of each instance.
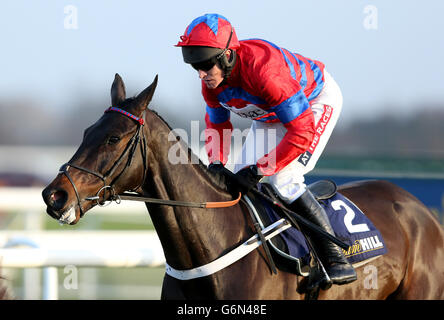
(416, 134)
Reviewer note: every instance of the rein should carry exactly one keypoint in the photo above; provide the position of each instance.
(208, 205)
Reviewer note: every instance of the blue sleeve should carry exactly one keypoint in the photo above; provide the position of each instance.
(218, 115)
(291, 108)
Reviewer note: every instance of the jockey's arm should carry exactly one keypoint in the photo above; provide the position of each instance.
(218, 134)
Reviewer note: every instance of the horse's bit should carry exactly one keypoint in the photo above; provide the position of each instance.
(130, 148)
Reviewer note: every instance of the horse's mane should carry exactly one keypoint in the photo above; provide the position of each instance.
(220, 180)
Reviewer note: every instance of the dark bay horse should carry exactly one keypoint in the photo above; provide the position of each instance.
(119, 154)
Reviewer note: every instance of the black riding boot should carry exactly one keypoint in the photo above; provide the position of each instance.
(337, 266)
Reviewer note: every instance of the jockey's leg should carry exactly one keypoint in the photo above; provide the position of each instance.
(289, 182)
(337, 266)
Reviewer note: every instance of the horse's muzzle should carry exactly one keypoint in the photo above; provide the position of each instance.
(56, 200)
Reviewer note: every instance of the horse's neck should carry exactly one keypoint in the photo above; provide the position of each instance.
(189, 236)
(173, 168)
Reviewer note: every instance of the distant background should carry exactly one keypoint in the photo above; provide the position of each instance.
(58, 60)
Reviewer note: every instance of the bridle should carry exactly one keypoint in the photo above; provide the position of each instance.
(129, 149)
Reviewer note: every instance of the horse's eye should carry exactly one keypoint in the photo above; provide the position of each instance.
(113, 140)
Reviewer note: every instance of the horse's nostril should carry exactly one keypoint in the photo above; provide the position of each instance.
(58, 199)
(56, 196)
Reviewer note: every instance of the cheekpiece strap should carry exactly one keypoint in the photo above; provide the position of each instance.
(126, 113)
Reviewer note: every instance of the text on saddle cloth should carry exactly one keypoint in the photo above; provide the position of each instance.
(350, 224)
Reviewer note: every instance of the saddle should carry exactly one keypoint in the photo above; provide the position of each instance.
(289, 249)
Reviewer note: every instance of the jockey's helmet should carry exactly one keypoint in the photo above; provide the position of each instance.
(208, 37)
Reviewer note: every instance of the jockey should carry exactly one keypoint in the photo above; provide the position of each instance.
(294, 104)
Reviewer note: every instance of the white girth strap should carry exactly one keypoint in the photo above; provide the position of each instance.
(230, 257)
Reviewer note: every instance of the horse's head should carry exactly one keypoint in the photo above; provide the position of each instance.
(98, 171)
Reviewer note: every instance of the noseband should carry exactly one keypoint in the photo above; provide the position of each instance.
(129, 149)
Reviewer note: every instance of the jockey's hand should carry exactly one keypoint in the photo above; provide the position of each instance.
(246, 179)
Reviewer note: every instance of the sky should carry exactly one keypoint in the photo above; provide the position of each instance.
(385, 55)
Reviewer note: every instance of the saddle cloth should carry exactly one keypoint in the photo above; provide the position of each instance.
(349, 223)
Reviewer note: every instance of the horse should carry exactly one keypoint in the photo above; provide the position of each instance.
(128, 150)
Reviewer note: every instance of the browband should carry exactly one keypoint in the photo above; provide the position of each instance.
(126, 113)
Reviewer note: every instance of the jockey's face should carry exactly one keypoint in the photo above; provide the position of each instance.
(213, 77)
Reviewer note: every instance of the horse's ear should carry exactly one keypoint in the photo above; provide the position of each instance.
(144, 98)
(118, 93)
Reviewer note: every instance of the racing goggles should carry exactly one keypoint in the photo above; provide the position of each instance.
(205, 65)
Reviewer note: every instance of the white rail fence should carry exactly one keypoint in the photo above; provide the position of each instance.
(34, 248)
